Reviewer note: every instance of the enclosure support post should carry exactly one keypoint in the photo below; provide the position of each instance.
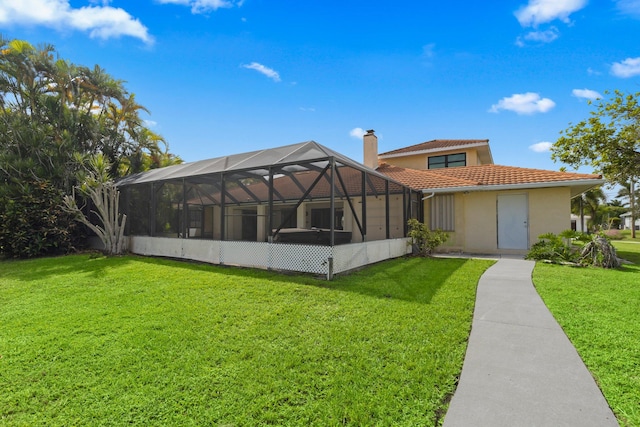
(152, 211)
(364, 206)
(270, 214)
(404, 210)
(185, 210)
(332, 204)
(386, 209)
(222, 207)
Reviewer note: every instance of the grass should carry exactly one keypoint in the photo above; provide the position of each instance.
(599, 311)
(140, 341)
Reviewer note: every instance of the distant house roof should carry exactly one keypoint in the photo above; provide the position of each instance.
(488, 177)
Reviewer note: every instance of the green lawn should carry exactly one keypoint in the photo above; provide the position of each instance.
(600, 312)
(141, 341)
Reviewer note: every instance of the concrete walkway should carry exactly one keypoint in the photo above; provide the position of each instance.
(520, 368)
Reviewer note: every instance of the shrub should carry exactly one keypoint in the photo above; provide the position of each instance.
(425, 240)
(613, 234)
(33, 223)
(555, 248)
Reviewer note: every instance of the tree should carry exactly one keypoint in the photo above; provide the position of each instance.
(51, 109)
(609, 140)
(53, 113)
(628, 196)
(105, 197)
(589, 202)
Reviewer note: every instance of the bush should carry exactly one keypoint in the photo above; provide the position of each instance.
(613, 234)
(33, 223)
(555, 248)
(425, 240)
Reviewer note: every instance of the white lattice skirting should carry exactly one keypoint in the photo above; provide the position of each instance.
(322, 260)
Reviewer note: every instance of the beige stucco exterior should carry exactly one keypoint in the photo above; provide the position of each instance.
(420, 161)
(476, 221)
(376, 218)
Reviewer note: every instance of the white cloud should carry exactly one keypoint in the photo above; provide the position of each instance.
(629, 7)
(523, 103)
(357, 133)
(586, 94)
(541, 147)
(269, 72)
(100, 21)
(628, 68)
(546, 36)
(203, 6)
(542, 11)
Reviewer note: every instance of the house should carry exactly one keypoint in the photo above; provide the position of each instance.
(300, 207)
(626, 217)
(580, 223)
(304, 207)
(484, 207)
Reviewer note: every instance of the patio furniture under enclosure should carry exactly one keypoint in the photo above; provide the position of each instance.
(301, 207)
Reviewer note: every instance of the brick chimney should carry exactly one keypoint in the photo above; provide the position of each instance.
(370, 149)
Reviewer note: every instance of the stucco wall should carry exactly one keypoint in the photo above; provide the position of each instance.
(420, 161)
(376, 218)
(550, 210)
(476, 226)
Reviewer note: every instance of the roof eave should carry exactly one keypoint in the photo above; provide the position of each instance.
(578, 183)
(433, 150)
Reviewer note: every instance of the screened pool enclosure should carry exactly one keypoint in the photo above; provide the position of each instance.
(291, 208)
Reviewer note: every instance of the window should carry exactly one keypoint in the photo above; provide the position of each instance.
(447, 161)
(321, 218)
(285, 218)
(195, 217)
(442, 213)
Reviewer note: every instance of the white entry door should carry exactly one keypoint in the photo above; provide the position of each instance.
(513, 221)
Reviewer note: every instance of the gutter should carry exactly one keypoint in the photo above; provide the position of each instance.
(496, 187)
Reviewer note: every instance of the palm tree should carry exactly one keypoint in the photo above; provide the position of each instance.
(628, 191)
(53, 113)
(589, 202)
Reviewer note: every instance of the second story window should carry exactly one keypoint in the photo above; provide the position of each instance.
(447, 161)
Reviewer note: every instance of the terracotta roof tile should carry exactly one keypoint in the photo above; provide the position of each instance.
(435, 145)
(477, 176)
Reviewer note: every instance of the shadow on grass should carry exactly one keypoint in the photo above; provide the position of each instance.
(633, 257)
(42, 268)
(407, 279)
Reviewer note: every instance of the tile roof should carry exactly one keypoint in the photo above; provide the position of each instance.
(436, 144)
(474, 176)
(291, 187)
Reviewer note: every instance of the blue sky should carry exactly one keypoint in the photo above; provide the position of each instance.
(225, 76)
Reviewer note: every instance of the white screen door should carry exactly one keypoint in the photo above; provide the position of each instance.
(513, 221)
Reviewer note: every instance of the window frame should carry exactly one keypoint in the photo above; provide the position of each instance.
(446, 161)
